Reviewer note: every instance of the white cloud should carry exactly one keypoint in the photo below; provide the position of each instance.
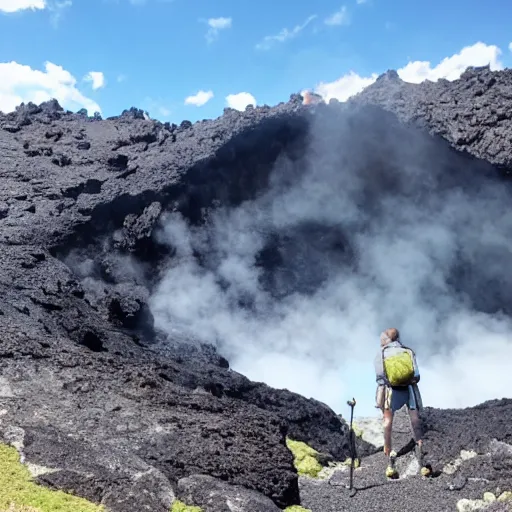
(240, 101)
(284, 35)
(199, 99)
(23, 84)
(219, 23)
(344, 87)
(450, 68)
(510, 46)
(216, 25)
(340, 17)
(20, 5)
(97, 78)
(55, 7)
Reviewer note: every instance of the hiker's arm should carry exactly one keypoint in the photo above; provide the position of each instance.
(380, 376)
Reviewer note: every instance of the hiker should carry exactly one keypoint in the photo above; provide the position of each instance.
(397, 377)
(311, 98)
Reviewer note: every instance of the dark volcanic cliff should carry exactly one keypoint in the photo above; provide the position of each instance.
(89, 385)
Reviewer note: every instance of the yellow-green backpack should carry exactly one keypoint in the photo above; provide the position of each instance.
(399, 367)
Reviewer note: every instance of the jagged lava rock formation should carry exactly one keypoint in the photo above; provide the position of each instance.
(472, 113)
(89, 386)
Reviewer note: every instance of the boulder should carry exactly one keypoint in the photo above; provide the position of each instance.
(214, 495)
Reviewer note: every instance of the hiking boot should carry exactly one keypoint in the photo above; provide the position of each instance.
(426, 471)
(391, 471)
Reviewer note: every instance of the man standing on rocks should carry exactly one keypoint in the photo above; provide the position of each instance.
(397, 377)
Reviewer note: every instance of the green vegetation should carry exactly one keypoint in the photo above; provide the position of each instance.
(348, 462)
(296, 508)
(179, 506)
(15, 508)
(305, 460)
(18, 493)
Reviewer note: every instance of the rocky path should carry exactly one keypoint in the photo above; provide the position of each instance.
(457, 485)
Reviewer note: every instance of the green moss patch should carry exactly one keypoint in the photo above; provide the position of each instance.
(179, 506)
(18, 492)
(296, 508)
(348, 462)
(22, 508)
(305, 460)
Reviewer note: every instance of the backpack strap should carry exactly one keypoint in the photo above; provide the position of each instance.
(383, 365)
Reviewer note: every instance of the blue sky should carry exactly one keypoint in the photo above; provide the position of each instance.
(155, 53)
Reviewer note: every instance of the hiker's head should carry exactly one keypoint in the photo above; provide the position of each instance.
(389, 335)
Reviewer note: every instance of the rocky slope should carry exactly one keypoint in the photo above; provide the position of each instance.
(126, 415)
(87, 378)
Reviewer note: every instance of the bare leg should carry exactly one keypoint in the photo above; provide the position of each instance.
(388, 429)
(418, 434)
(416, 426)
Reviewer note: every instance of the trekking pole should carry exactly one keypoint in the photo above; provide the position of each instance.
(352, 404)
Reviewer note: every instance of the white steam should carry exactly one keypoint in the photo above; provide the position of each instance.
(312, 325)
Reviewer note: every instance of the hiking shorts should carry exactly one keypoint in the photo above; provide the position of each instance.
(394, 399)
